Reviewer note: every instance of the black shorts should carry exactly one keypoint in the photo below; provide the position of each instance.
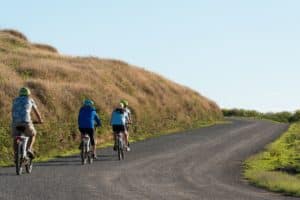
(90, 132)
(118, 128)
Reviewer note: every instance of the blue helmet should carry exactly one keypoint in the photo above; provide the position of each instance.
(88, 102)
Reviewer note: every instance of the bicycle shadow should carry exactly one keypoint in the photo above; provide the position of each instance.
(67, 161)
(106, 158)
(6, 174)
(74, 160)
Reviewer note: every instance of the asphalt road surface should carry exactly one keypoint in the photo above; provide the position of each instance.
(198, 164)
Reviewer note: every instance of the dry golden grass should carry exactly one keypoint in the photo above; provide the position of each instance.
(45, 47)
(60, 83)
(15, 33)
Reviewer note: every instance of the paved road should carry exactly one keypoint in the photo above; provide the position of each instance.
(198, 164)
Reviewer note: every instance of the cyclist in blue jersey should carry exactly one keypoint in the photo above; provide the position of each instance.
(118, 123)
(86, 122)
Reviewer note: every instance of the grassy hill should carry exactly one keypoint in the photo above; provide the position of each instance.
(59, 84)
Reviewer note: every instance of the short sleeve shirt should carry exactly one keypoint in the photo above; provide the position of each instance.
(127, 114)
(21, 109)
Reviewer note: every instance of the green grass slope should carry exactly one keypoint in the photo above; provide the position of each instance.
(59, 84)
(278, 167)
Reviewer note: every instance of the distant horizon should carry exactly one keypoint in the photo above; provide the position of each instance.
(238, 54)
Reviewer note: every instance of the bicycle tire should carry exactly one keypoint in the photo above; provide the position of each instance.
(29, 166)
(83, 154)
(18, 159)
(90, 158)
(120, 149)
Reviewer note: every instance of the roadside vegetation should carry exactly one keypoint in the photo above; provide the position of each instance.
(60, 83)
(278, 167)
(284, 117)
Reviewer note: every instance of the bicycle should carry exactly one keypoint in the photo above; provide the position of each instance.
(120, 143)
(86, 152)
(21, 157)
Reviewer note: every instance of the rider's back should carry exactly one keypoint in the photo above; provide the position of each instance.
(87, 116)
(21, 109)
(118, 117)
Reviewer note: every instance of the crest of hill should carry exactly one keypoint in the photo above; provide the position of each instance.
(60, 83)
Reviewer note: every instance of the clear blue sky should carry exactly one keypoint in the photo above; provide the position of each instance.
(238, 53)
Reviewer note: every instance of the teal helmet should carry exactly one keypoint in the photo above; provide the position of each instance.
(88, 102)
(24, 91)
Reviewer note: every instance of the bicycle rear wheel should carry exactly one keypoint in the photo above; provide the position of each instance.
(18, 159)
(84, 153)
(120, 149)
(90, 155)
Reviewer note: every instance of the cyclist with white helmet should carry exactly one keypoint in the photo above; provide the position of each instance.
(118, 123)
(86, 122)
(128, 119)
(21, 116)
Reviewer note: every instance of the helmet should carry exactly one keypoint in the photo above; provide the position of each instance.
(122, 105)
(24, 91)
(123, 101)
(88, 102)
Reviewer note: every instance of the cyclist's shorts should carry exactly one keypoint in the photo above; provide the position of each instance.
(29, 129)
(118, 128)
(90, 132)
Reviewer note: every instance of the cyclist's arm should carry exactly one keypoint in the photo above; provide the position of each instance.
(129, 118)
(37, 114)
(97, 119)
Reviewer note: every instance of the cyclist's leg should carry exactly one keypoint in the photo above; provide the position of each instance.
(14, 133)
(127, 134)
(91, 133)
(31, 133)
(125, 137)
(82, 133)
(115, 131)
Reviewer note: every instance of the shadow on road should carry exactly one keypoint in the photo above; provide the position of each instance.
(74, 161)
(8, 174)
(106, 158)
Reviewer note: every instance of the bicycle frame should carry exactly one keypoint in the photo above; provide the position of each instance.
(86, 153)
(86, 141)
(21, 158)
(22, 140)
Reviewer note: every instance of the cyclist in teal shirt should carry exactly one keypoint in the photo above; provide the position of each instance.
(118, 123)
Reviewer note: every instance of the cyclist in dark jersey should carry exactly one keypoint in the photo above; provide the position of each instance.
(86, 122)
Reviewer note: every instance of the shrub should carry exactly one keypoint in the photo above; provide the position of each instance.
(285, 117)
